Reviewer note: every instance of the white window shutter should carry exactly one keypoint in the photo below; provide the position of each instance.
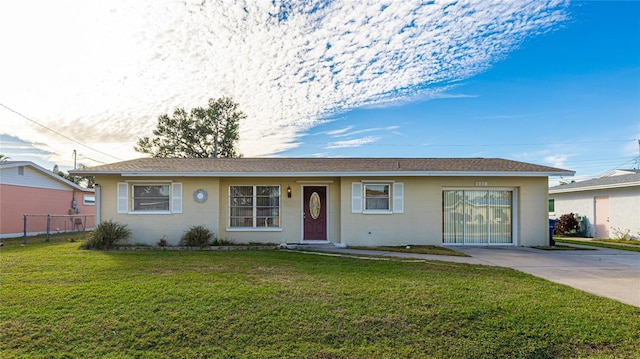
(123, 197)
(176, 197)
(356, 197)
(398, 197)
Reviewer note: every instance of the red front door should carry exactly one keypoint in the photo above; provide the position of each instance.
(315, 213)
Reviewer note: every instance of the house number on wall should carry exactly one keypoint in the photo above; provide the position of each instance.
(314, 205)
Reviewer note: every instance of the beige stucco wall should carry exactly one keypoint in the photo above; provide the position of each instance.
(150, 228)
(290, 210)
(421, 222)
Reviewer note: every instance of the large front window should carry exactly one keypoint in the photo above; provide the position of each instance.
(477, 216)
(254, 206)
(151, 198)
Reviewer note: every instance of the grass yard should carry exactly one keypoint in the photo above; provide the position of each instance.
(422, 249)
(61, 302)
(625, 245)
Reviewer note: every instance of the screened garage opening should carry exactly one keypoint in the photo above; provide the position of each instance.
(477, 217)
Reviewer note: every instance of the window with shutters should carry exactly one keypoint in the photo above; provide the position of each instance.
(149, 198)
(377, 198)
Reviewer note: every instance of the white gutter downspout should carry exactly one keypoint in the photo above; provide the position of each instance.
(97, 204)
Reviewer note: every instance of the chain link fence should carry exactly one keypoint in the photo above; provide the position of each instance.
(52, 224)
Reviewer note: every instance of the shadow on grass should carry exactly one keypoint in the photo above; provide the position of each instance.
(416, 249)
(41, 239)
(562, 248)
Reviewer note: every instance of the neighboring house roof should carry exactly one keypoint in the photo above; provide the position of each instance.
(45, 172)
(271, 167)
(619, 172)
(618, 181)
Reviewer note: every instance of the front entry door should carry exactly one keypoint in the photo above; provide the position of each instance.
(315, 213)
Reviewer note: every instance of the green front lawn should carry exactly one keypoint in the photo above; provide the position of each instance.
(61, 302)
(632, 246)
(421, 249)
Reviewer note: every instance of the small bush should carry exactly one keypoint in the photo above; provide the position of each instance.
(163, 242)
(567, 224)
(621, 233)
(221, 242)
(196, 236)
(107, 235)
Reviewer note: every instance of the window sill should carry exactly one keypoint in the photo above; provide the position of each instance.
(377, 212)
(254, 229)
(149, 212)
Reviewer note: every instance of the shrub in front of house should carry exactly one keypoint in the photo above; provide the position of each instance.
(107, 235)
(567, 224)
(196, 236)
(224, 242)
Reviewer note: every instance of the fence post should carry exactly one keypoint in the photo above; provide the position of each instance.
(24, 228)
(48, 227)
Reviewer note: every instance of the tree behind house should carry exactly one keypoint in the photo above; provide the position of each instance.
(199, 133)
(84, 181)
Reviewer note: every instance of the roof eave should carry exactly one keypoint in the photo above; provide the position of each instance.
(50, 174)
(333, 174)
(594, 188)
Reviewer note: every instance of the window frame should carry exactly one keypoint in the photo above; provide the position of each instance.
(256, 208)
(396, 197)
(126, 201)
(455, 235)
(134, 198)
(366, 198)
(89, 203)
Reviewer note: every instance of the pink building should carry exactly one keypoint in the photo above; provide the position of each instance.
(26, 188)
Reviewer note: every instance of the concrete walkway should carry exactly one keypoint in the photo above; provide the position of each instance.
(604, 272)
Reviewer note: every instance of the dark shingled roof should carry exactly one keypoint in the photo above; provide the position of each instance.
(628, 180)
(319, 166)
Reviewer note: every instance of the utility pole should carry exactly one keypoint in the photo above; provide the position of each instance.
(74, 159)
(638, 161)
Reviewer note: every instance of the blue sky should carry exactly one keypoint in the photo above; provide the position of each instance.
(553, 83)
(569, 97)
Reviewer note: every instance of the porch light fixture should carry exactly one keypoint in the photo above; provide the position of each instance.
(288, 191)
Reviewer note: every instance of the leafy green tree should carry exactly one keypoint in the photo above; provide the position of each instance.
(65, 175)
(86, 181)
(4, 158)
(83, 181)
(200, 133)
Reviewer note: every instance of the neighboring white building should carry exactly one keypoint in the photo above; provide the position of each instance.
(611, 203)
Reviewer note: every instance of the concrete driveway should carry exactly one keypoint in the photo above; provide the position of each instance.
(604, 272)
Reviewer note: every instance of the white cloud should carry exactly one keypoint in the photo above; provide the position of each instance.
(339, 131)
(557, 160)
(352, 143)
(366, 130)
(102, 72)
